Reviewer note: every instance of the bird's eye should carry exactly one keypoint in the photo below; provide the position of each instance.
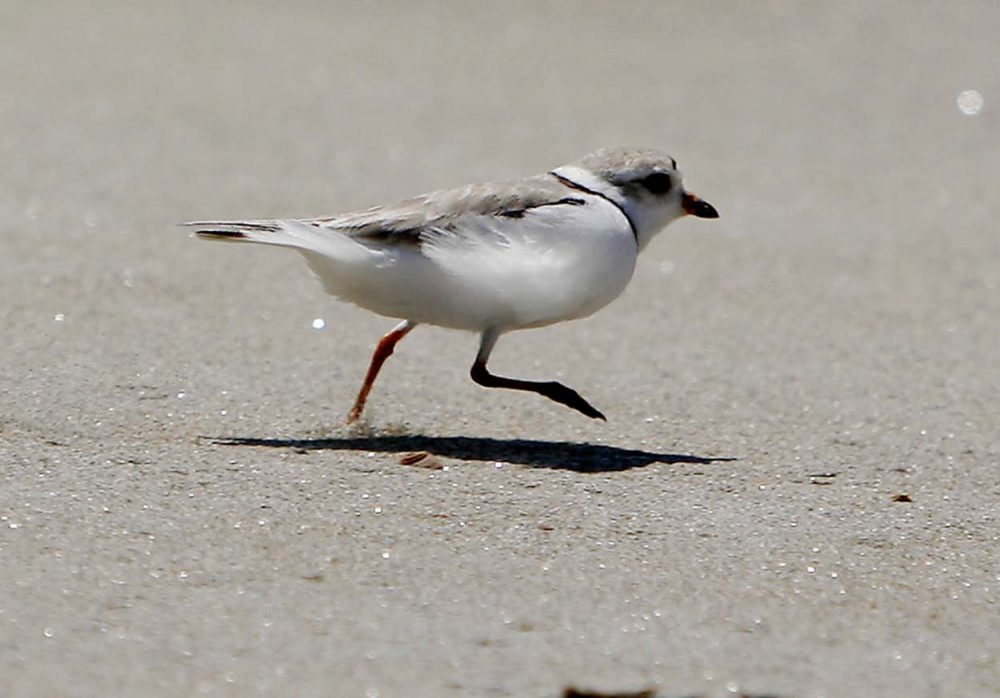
(658, 183)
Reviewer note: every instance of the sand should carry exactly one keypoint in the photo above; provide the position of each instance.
(796, 492)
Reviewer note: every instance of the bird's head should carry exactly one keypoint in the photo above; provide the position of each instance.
(645, 184)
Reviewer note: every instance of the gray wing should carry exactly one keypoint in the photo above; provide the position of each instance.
(416, 220)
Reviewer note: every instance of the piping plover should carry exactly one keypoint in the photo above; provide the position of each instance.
(491, 258)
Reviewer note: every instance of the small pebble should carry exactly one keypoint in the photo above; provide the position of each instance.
(421, 459)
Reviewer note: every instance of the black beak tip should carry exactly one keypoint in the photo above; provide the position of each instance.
(698, 208)
(703, 209)
(711, 212)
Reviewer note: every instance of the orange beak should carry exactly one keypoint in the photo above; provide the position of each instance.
(696, 207)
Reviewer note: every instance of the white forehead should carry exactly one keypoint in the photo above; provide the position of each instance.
(627, 163)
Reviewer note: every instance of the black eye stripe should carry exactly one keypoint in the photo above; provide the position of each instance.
(657, 183)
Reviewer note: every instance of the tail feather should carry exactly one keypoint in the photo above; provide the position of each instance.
(221, 234)
(285, 233)
(250, 231)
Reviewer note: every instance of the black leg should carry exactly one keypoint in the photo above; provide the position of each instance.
(557, 392)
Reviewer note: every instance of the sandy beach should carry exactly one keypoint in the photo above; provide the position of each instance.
(796, 493)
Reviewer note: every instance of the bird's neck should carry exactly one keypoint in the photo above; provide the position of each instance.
(588, 181)
(644, 225)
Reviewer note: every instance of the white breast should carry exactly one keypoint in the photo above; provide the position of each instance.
(553, 263)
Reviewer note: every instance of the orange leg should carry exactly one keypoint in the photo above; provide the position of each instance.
(382, 352)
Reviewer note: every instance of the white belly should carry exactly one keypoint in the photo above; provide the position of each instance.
(512, 274)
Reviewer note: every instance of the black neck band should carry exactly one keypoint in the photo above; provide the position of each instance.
(579, 187)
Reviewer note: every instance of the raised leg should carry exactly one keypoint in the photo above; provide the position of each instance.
(554, 391)
(382, 352)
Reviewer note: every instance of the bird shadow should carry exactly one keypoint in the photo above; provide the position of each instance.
(555, 455)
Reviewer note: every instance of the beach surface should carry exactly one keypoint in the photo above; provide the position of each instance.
(796, 493)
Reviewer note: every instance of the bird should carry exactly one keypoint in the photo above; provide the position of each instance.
(490, 258)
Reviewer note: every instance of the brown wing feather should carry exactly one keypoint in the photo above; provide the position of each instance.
(408, 220)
